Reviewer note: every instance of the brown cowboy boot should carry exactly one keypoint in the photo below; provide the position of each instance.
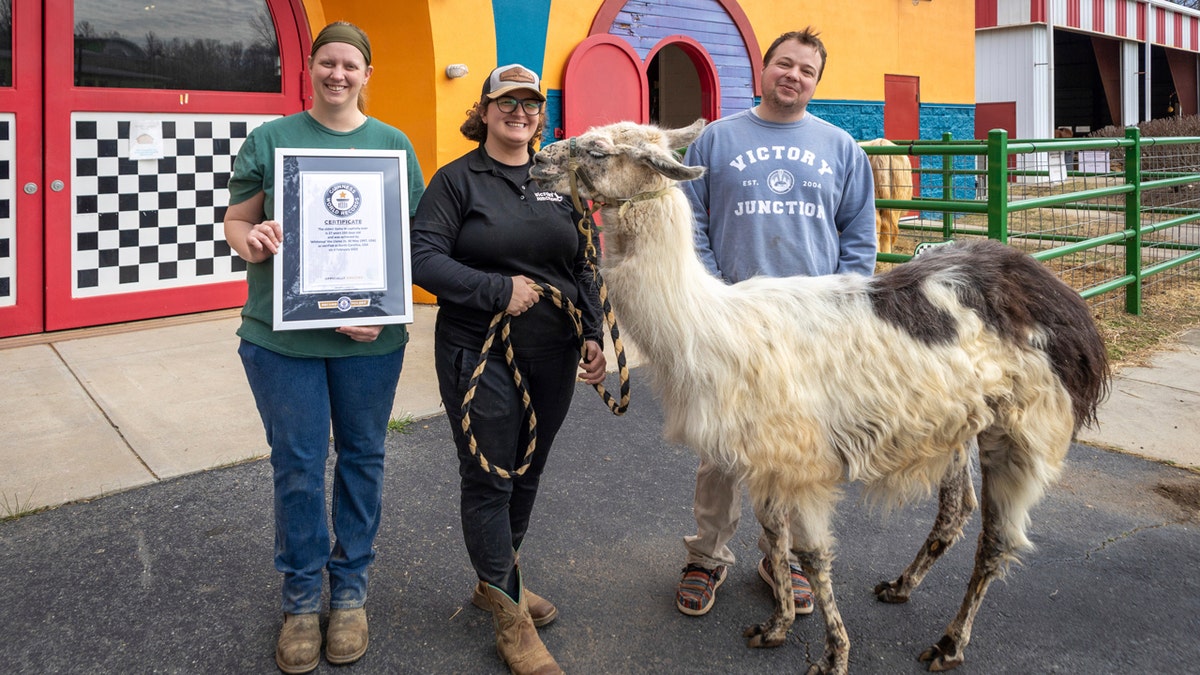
(517, 640)
(541, 610)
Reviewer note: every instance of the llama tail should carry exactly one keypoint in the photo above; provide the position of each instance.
(1074, 347)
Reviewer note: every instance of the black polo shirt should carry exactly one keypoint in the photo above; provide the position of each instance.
(478, 224)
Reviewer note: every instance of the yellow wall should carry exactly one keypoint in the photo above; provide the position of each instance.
(569, 24)
(401, 91)
(414, 41)
(463, 33)
(869, 38)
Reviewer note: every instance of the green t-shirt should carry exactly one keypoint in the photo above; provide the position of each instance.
(254, 172)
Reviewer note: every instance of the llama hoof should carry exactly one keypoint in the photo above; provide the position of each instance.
(942, 656)
(825, 667)
(761, 635)
(890, 591)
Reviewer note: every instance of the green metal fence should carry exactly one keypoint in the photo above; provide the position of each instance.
(1116, 218)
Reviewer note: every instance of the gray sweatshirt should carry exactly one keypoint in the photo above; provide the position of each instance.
(781, 199)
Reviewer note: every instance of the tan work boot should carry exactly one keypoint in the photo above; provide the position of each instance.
(299, 646)
(346, 637)
(517, 640)
(541, 610)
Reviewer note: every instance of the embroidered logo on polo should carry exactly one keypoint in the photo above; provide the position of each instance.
(342, 200)
(548, 196)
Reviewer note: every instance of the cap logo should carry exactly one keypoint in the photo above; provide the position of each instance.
(516, 75)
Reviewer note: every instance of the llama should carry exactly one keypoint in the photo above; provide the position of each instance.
(893, 180)
(779, 379)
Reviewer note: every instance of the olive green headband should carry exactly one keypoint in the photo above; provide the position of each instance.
(342, 32)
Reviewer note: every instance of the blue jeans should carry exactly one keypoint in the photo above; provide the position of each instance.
(297, 399)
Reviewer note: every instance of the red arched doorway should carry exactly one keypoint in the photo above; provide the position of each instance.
(682, 82)
(603, 82)
(607, 79)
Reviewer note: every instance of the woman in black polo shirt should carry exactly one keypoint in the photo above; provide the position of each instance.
(482, 234)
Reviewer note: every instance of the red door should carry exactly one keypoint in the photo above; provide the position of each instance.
(108, 228)
(1001, 115)
(902, 115)
(604, 82)
(21, 180)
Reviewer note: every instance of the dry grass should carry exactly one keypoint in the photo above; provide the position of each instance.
(1166, 315)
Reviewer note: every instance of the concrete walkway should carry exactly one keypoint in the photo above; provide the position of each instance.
(93, 412)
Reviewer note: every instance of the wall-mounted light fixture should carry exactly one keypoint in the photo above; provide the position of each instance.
(456, 70)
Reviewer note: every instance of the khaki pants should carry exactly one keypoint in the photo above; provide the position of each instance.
(717, 508)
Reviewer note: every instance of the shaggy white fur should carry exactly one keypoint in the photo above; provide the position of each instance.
(800, 384)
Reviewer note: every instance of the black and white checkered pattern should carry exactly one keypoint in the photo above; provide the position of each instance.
(8, 217)
(141, 225)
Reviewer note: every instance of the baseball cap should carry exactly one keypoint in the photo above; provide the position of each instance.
(510, 78)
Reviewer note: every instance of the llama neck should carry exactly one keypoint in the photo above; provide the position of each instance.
(662, 293)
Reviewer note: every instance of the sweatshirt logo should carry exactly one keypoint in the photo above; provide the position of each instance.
(781, 181)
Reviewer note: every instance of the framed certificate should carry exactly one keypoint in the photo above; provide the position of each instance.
(345, 254)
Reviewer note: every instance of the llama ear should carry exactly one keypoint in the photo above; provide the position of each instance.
(667, 163)
(681, 138)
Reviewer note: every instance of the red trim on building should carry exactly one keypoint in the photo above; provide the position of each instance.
(1194, 24)
(1140, 11)
(986, 13)
(1122, 18)
(1037, 11)
(1098, 16)
(1073, 18)
(1178, 19)
(1160, 26)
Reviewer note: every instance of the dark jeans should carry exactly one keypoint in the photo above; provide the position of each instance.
(298, 398)
(495, 511)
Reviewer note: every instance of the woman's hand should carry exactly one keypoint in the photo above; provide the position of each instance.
(263, 239)
(254, 240)
(593, 367)
(361, 333)
(523, 295)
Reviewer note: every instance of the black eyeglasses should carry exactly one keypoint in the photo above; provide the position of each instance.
(508, 104)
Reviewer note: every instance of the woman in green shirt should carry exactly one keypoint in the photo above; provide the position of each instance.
(304, 380)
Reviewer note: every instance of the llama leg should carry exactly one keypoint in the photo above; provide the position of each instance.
(817, 564)
(773, 631)
(947, 653)
(956, 501)
(1015, 475)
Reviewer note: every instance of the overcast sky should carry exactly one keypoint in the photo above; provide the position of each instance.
(221, 20)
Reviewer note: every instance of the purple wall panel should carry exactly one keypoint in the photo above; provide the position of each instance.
(644, 23)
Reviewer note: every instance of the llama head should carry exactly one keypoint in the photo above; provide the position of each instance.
(618, 161)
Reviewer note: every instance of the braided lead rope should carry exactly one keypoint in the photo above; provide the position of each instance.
(611, 322)
(502, 321)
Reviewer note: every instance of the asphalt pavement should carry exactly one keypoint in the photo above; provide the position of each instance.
(176, 576)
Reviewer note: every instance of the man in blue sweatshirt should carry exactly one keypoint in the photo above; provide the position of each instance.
(786, 194)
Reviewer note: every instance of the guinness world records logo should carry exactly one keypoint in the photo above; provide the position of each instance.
(342, 200)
